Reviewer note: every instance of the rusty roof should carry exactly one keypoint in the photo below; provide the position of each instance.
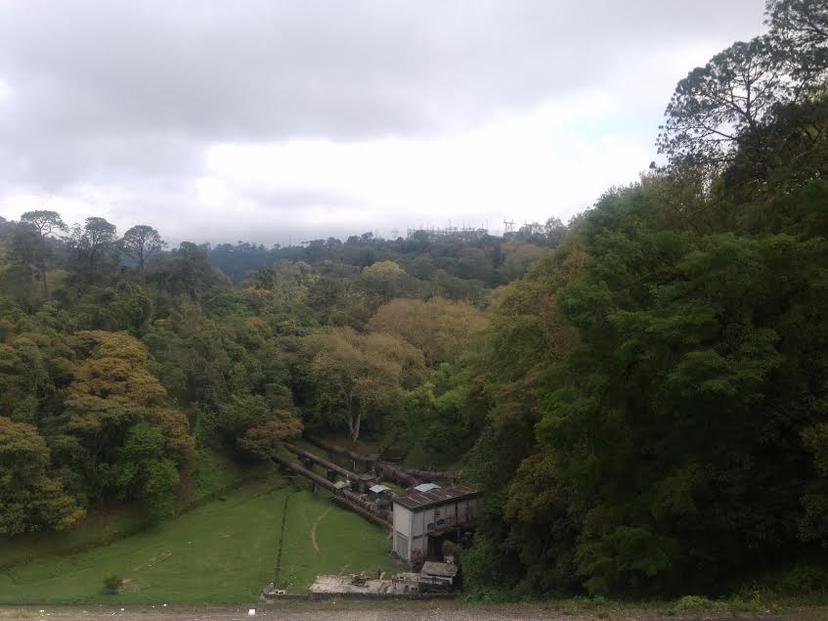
(440, 496)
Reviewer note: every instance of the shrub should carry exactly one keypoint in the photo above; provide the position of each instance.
(696, 605)
(112, 584)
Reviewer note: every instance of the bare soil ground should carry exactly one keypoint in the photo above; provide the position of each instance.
(379, 611)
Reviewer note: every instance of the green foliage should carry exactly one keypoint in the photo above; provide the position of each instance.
(143, 472)
(658, 382)
(625, 559)
(140, 243)
(112, 584)
(216, 366)
(747, 93)
(696, 605)
(359, 376)
(255, 425)
(31, 499)
(441, 329)
(644, 406)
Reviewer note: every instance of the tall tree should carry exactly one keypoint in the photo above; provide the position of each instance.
(141, 242)
(799, 31)
(735, 98)
(359, 376)
(98, 235)
(45, 223)
(723, 104)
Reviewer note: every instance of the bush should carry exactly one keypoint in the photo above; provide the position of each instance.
(112, 584)
(803, 579)
(696, 605)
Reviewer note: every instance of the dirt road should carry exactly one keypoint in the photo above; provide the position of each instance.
(360, 611)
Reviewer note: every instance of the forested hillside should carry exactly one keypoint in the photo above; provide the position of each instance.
(121, 359)
(642, 394)
(659, 417)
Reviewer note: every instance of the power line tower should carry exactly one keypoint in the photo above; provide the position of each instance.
(508, 226)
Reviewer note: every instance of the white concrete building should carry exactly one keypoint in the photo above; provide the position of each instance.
(423, 516)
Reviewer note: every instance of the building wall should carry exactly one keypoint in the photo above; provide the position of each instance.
(411, 528)
(402, 546)
(402, 532)
(402, 520)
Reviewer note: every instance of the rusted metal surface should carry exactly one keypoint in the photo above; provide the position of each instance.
(436, 497)
(349, 499)
(431, 475)
(408, 477)
(394, 473)
(325, 463)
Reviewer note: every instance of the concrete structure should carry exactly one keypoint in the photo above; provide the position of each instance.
(421, 519)
(437, 576)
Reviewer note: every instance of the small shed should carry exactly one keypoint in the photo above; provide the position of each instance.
(381, 495)
(422, 518)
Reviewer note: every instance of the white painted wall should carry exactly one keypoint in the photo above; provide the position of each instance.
(413, 525)
(402, 520)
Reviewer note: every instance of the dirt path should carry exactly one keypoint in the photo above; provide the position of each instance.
(313, 529)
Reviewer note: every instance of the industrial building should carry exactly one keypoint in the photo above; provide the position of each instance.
(423, 519)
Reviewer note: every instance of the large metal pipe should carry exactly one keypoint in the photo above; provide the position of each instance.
(366, 460)
(321, 461)
(405, 476)
(396, 474)
(346, 497)
(431, 475)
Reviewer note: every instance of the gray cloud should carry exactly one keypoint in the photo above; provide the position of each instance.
(118, 92)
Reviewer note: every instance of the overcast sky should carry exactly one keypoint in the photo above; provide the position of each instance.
(272, 121)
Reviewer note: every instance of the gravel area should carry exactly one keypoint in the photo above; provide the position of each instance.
(358, 611)
(334, 611)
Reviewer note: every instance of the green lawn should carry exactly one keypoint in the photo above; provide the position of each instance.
(344, 543)
(215, 474)
(100, 527)
(221, 552)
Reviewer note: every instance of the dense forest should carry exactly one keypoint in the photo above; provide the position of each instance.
(120, 359)
(642, 394)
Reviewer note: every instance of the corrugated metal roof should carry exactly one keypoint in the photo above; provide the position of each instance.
(426, 487)
(378, 489)
(439, 496)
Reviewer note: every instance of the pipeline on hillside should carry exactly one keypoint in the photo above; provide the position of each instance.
(431, 475)
(408, 477)
(394, 473)
(367, 461)
(322, 462)
(346, 497)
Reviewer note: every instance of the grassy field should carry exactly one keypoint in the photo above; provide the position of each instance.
(103, 526)
(220, 552)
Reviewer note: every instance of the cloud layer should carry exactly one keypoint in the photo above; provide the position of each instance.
(273, 120)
